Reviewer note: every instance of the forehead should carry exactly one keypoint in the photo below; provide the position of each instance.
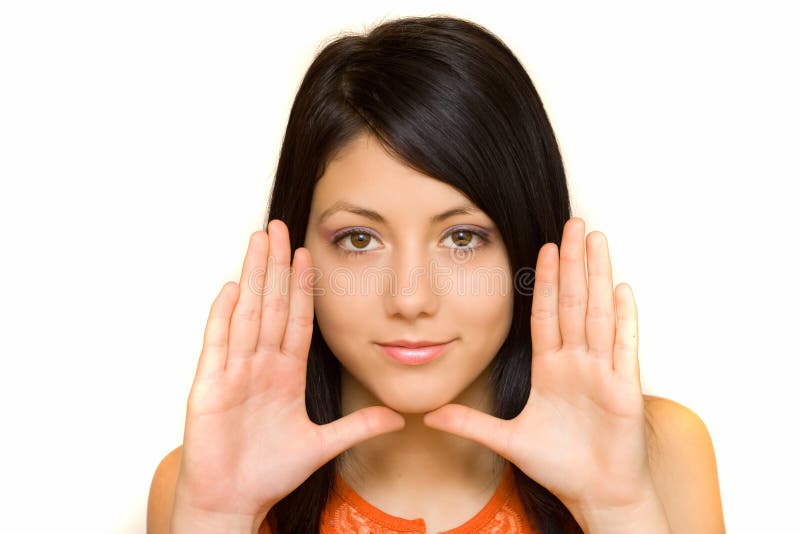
(364, 173)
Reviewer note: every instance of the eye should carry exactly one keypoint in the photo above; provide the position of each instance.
(354, 242)
(465, 236)
(357, 238)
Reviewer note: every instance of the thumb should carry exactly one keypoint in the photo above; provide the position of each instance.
(361, 425)
(469, 423)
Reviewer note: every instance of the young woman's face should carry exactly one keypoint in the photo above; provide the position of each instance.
(405, 276)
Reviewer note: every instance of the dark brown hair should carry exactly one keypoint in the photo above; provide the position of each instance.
(448, 98)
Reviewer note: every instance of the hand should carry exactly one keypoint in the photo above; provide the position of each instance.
(248, 441)
(582, 432)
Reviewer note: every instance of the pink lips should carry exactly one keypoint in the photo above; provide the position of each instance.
(416, 355)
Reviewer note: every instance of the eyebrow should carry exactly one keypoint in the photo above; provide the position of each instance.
(342, 205)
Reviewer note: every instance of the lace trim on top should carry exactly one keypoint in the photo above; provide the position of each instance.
(347, 512)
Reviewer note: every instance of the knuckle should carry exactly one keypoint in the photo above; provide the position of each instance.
(571, 301)
(599, 311)
(303, 321)
(276, 303)
(247, 314)
(625, 343)
(543, 314)
(215, 345)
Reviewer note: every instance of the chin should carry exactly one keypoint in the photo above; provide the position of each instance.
(414, 401)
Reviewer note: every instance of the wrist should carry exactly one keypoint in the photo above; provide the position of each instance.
(189, 520)
(192, 518)
(645, 515)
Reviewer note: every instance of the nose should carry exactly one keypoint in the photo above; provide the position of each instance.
(410, 290)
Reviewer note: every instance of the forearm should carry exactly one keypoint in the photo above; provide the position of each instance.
(646, 516)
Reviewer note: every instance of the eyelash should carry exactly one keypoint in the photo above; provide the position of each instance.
(482, 235)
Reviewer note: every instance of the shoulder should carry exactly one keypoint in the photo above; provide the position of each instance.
(683, 465)
(162, 492)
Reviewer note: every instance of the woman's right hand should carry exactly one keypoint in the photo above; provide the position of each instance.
(248, 441)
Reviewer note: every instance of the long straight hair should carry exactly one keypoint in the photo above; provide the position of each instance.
(446, 97)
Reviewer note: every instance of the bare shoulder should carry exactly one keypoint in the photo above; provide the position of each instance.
(684, 467)
(162, 493)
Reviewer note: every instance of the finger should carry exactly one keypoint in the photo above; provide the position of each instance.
(215, 337)
(545, 334)
(600, 314)
(472, 424)
(572, 292)
(626, 341)
(275, 304)
(297, 339)
(361, 425)
(247, 313)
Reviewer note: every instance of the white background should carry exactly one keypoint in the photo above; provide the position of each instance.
(138, 141)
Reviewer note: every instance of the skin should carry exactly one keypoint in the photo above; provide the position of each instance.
(248, 441)
(431, 468)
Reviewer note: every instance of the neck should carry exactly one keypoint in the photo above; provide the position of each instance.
(419, 460)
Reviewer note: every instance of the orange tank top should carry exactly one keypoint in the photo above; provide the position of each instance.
(346, 512)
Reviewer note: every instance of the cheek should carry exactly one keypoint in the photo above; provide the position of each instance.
(485, 291)
(343, 320)
(483, 314)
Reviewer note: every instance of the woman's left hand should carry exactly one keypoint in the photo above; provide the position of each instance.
(581, 434)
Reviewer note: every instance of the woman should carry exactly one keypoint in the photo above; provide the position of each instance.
(421, 187)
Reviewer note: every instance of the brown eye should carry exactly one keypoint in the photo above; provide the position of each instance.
(465, 238)
(354, 242)
(462, 238)
(359, 239)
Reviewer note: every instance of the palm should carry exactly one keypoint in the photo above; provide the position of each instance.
(581, 433)
(588, 424)
(248, 440)
(244, 406)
